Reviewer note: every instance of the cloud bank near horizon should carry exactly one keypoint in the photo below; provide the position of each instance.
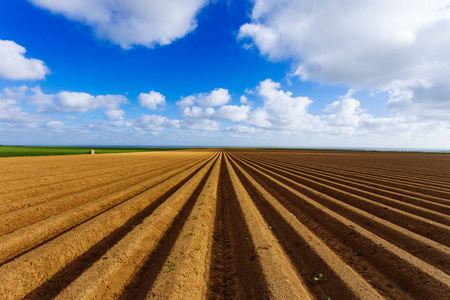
(272, 113)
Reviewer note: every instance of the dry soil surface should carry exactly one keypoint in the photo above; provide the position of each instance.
(226, 224)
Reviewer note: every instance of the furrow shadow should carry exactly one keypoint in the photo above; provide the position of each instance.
(143, 280)
(67, 275)
(236, 270)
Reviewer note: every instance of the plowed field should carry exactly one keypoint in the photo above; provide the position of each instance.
(221, 224)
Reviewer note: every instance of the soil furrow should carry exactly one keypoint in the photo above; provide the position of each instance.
(17, 169)
(34, 235)
(34, 213)
(401, 195)
(309, 256)
(347, 238)
(376, 201)
(341, 166)
(226, 224)
(235, 270)
(420, 165)
(40, 264)
(86, 181)
(391, 181)
(313, 203)
(267, 247)
(77, 167)
(432, 230)
(129, 254)
(186, 245)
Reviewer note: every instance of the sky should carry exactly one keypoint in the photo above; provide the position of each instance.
(279, 73)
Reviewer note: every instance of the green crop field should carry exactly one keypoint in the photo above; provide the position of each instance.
(9, 151)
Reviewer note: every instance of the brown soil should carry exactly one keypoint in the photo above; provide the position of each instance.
(235, 224)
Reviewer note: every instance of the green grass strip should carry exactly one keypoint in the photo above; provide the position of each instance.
(11, 151)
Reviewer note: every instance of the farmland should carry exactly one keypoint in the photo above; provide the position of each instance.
(211, 223)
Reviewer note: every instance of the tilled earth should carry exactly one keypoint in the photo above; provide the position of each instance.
(226, 224)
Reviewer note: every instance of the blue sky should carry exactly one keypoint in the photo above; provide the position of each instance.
(225, 73)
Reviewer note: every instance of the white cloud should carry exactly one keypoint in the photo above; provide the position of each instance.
(232, 113)
(421, 102)
(131, 22)
(244, 100)
(11, 110)
(152, 100)
(160, 123)
(82, 102)
(196, 112)
(157, 123)
(202, 124)
(186, 102)
(281, 110)
(217, 97)
(114, 114)
(241, 129)
(277, 118)
(345, 107)
(74, 102)
(201, 117)
(54, 124)
(78, 102)
(402, 47)
(346, 112)
(15, 66)
(42, 101)
(365, 43)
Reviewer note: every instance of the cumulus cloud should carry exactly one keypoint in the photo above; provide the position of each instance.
(78, 102)
(347, 106)
(345, 113)
(402, 47)
(74, 102)
(244, 100)
(82, 102)
(276, 116)
(131, 22)
(56, 126)
(186, 102)
(10, 109)
(152, 100)
(15, 66)
(280, 110)
(242, 129)
(283, 112)
(365, 43)
(215, 98)
(232, 113)
(114, 114)
(421, 102)
(160, 123)
(196, 112)
(157, 123)
(202, 124)
(199, 112)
